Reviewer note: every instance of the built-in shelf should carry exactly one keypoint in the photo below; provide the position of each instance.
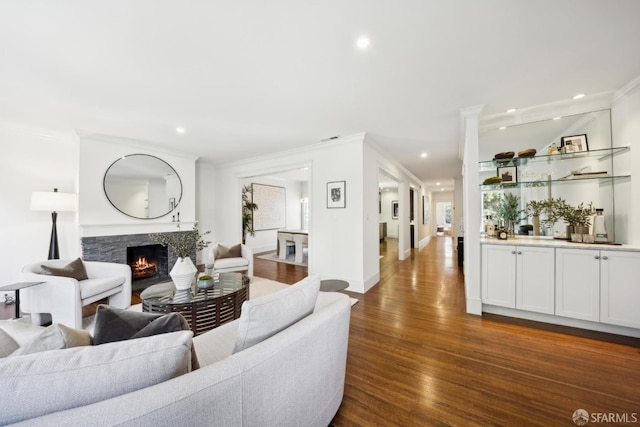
(491, 165)
(553, 181)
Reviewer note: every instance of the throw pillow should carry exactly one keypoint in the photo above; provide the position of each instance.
(232, 252)
(264, 317)
(7, 344)
(75, 270)
(40, 384)
(115, 324)
(55, 337)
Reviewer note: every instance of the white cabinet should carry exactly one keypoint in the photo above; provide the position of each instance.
(578, 284)
(519, 277)
(620, 288)
(499, 275)
(600, 286)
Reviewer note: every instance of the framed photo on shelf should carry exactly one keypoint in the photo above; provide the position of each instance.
(394, 209)
(508, 174)
(336, 194)
(574, 144)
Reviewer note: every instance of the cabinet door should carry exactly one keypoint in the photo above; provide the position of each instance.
(620, 288)
(578, 283)
(535, 279)
(499, 275)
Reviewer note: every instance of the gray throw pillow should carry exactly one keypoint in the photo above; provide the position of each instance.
(7, 344)
(232, 252)
(75, 269)
(55, 337)
(115, 324)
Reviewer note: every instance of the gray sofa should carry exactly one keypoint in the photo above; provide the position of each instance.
(293, 378)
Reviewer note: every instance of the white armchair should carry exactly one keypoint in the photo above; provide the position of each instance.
(60, 299)
(215, 264)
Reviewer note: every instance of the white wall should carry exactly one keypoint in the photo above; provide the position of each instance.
(98, 217)
(625, 117)
(266, 240)
(386, 215)
(34, 159)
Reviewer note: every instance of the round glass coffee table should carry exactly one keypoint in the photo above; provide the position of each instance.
(204, 309)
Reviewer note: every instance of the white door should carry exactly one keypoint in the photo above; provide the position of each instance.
(578, 284)
(535, 278)
(620, 288)
(499, 275)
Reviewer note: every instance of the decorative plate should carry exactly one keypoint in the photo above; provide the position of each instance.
(504, 156)
(529, 152)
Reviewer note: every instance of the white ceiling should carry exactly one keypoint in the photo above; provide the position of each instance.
(245, 78)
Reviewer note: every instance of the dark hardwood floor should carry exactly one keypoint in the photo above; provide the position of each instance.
(416, 358)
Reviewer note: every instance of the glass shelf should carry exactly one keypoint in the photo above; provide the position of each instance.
(592, 154)
(552, 181)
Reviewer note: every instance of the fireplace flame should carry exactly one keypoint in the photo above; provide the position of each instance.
(142, 268)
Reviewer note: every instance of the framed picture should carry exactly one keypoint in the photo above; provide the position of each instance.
(425, 211)
(394, 209)
(336, 194)
(508, 174)
(574, 143)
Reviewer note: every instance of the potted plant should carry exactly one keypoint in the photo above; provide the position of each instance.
(577, 219)
(205, 282)
(247, 213)
(509, 211)
(183, 245)
(532, 210)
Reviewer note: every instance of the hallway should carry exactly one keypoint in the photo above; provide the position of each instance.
(416, 358)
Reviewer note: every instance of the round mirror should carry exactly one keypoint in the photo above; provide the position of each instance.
(142, 186)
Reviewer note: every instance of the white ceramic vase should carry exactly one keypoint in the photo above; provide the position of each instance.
(183, 273)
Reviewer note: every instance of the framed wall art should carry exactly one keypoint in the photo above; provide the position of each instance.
(394, 209)
(336, 194)
(574, 144)
(508, 174)
(272, 202)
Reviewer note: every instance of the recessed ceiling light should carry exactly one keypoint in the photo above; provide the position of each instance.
(502, 127)
(442, 189)
(180, 130)
(511, 110)
(557, 118)
(437, 183)
(363, 42)
(423, 155)
(578, 96)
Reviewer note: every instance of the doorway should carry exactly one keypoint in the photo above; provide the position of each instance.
(444, 215)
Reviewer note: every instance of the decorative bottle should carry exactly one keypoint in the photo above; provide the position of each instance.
(491, 228)
(599, 227)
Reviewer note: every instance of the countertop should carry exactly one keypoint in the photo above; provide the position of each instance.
(557, 243)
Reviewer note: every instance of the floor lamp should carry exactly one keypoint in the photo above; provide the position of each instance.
(53, 202)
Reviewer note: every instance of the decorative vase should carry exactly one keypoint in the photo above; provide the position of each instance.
(205, 283)
(183, 273)
(536, 225)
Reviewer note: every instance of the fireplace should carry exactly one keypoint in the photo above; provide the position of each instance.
(119, 249)
(147, 261)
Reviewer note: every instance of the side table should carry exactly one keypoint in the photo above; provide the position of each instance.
(16, 287)
(333, 285)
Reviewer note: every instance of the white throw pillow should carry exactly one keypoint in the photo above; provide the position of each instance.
(264, 317)
(43, 383)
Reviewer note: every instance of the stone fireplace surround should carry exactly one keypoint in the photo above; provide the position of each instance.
(114, 249)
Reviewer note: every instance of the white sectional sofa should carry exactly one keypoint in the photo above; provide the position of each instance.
(246, 377)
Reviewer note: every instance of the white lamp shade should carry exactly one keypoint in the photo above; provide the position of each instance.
(54, 201)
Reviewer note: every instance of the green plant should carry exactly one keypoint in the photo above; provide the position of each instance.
(578, 216)
(534, 208)
(553, 209)
(182, 244)
(247, 212)
(205, 277)
(509, 208)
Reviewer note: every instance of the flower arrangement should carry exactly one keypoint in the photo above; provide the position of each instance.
(182, 244)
